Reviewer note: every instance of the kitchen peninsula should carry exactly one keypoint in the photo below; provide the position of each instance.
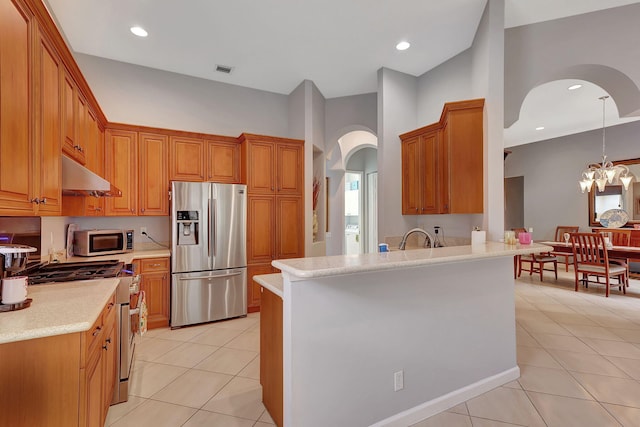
(388, 339)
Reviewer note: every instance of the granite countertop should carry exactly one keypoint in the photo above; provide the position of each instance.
(348, 264)
(272, 282)
(56, 309)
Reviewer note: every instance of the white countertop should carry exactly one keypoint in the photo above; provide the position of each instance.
(272, 282)
(56, 309)
(348, 264)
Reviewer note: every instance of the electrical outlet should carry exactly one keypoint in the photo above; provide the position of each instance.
(398, 381)
(143, 231)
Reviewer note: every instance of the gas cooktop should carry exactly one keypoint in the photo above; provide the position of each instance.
(64, 272)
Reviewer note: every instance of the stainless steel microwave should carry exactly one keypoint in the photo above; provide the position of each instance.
(102, 242)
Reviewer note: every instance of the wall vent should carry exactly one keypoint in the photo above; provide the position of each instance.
(224, 69)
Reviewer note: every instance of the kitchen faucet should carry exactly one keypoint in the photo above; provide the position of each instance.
(428, 239)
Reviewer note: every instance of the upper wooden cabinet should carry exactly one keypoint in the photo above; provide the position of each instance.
(273, 165)
(153, 188)
(120, 170)
(223, 160)
(442, 164)
(48, 130)
(186, 159)
(16, 142)
(75, 111)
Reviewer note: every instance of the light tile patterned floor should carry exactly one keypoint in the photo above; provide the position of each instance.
(578, 352)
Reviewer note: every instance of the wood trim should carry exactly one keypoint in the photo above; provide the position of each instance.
(448, 107)
(49, 27)
(172, 132)
(265, 138)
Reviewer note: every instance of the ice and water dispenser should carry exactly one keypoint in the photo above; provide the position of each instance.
(188, 227)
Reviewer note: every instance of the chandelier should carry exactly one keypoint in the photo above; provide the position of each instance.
(605, 172)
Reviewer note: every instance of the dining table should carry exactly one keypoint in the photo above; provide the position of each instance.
(631, 253)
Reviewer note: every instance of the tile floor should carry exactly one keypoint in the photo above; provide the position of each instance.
(578, 352)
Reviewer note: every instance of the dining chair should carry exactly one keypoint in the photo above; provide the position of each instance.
(535, 262)
(619, 238)
(560, 230)
(591, 258)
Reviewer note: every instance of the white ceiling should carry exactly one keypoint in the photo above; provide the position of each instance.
(273, 45)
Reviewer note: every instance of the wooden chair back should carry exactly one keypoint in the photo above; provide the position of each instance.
(588, 249)
(561, 229)
(620, 237)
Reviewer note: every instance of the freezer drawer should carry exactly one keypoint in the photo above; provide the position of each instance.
(206, 296)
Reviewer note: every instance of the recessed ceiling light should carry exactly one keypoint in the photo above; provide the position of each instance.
(139, 31)
(574, 87)
(540, 128)
(403, 45)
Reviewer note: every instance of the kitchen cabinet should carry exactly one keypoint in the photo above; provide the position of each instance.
(154, 281)
(186, 159)
(49, 70)
(271, 355)
(60, 380)
(273, 169)
(16, 142)
(74, 120)
(153, 177)
(121, 170)
(420, 190)
(442, 164)
(223, 160)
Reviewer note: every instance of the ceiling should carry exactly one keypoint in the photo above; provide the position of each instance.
(273, 45)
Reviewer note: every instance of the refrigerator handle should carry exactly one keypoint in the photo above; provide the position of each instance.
(214, 227)
(210, 231)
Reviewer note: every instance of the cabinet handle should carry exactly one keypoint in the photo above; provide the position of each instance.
(43, 200)
(98, 209)
(154, 265)
(110, 306)
(97, 331)
(36, 201)
(271, 188)
(131, 210)
(142, 210)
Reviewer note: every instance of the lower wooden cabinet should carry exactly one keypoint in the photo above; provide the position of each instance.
(60, 381)
(254, 289)
(155, 282)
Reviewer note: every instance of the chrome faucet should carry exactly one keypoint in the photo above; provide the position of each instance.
(428, 239)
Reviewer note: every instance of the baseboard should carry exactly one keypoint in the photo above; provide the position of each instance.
(449, 400)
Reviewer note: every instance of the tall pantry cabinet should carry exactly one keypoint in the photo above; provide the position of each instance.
(273, 169)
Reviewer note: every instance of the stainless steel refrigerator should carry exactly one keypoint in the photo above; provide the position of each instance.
(208, 252)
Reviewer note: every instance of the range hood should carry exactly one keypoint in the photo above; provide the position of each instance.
(80, 181)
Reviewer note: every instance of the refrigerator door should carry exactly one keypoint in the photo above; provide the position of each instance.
(228, 207)
(207, 296)
(190, 218)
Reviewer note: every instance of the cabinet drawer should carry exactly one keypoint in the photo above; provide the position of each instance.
(154, 264)
(94, 334)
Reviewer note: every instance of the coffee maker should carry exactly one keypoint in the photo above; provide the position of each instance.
(13, 260)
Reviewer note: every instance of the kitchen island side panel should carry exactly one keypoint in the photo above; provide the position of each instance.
(449, 327)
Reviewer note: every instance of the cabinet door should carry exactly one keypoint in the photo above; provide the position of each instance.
(82, 121)
(94, 396)
(260, 229)
(109, 366)
(465, 151)
(289, 227)
(253, 288)
(48, 129)
(16, 141)
(411, 166)
(153, 178)
(186, 159)
(95, 162)
(289, 163)
(429, 190)
(223, 161)
(260, 164)
(68, 115)
(271, 357)
(121, 163)
(156, 288)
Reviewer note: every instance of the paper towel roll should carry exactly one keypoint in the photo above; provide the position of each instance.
(478, 237)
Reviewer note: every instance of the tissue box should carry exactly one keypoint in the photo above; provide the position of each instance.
(478, 237)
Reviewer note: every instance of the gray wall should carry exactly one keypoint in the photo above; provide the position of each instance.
(144, 96)
(603, 40)
(551, 171)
